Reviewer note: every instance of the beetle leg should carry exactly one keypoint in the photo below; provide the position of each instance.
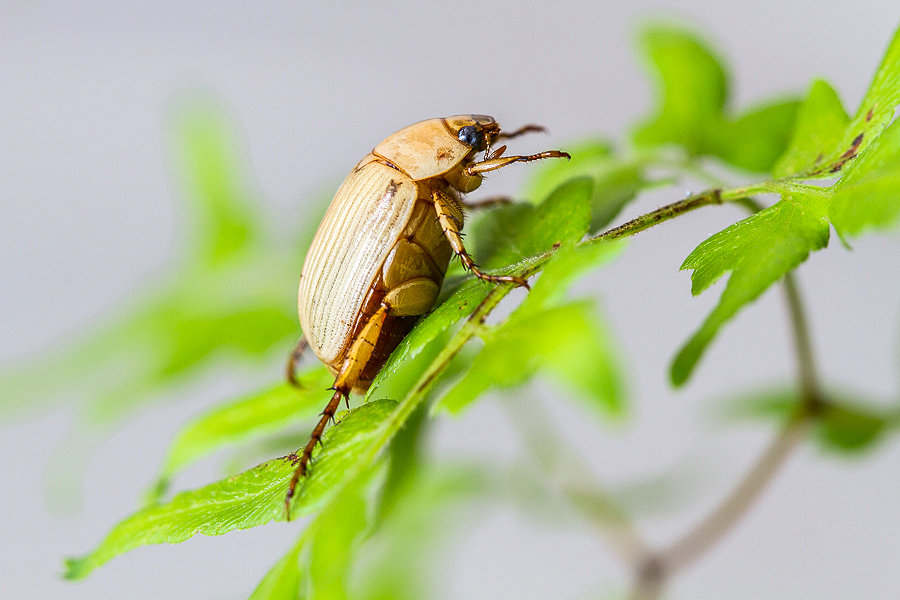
(493, 164)
(487, 202)
(293, 359)
(356, 358)
(442, 206)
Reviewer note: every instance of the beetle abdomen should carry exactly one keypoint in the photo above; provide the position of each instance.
(369, 212)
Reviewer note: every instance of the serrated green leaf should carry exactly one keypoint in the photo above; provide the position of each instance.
(616, 183)
(511, 233)
(758, 251)
(568, 342)
(249, 499)
(263, 412)
(692, 89)
(868, 196)
(833, 150)
(821, 122)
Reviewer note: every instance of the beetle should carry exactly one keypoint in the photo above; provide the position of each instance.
(378, 258)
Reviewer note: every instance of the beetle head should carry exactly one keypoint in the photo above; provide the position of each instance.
(477, 131)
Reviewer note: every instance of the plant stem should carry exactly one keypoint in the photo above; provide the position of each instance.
(715, 525)
(659, 566)
(669, 211)
(567, 474)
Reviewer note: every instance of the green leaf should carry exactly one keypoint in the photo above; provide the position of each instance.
(755, 139)
(458, 306)
(282, 582)
(224, 222)
(336, 532)
(616, 182)
(692, 89)
(845, 424)
(757, 251)
(569, 342)
(512, 233)
(224, 299)
(692, 106)
(851, 428)
(264, 412)
(821, 122)
(249, 499)
(868, 196)
(831, 142)
(567, 266)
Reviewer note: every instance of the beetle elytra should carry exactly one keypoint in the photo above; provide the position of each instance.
(378, 258)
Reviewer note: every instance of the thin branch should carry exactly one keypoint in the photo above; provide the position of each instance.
(693, 202)
(806, 368)
(545, 447)
(711, 529)
(659, 566)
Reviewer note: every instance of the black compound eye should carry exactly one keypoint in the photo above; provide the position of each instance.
(472, 136)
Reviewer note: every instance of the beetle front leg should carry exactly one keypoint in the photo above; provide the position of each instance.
(443, 207)
(356, 358)
(492, 164)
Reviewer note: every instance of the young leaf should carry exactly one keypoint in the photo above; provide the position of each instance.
(336, 532)
(223, 216)
(868, 195)
(282, 582)
(845, 425)
(249, 499)
(755, 139)
(692, 89)
(567, 341)
(225, 298)
(259, 413)
(691, 111)
(509, 234)
(616, 182)
(821, 121)
(825, 151)
(757, 251)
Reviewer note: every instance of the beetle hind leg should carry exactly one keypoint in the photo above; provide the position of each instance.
(356, 358)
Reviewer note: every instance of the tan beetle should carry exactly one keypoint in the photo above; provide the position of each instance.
(379, 256)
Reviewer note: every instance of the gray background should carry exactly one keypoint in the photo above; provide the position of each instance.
(89, 211)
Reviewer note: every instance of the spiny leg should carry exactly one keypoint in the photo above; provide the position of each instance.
(443, 207)
(294, 359)
(487, 202)
(492, 164)
(356, 358)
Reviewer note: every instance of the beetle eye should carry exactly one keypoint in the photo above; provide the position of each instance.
(472, 136)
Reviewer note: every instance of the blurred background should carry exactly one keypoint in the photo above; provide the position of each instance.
(94, 219)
